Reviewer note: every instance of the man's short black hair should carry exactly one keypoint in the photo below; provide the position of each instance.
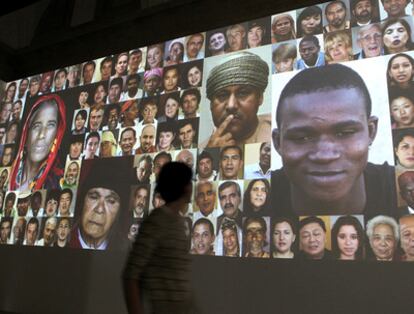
(161, 154)
(172, 181)
(117, 81)
(89, 63)
(335, 2)
(311, 38)
(191, 91)
(109, 108)
(53, 195)
(239, 150)
(93, 134)
(68, 191)
(204, 221)
(192, 121)
(129, 129)
(34, 221)
(133, 77)
(105, 60)
(326, 78)
(83, 113)
(79, 138)
(312, 219)
(205, 154)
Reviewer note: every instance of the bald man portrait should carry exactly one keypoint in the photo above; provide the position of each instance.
(406, 188)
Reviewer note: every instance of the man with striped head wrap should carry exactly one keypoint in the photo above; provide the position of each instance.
(235, 89)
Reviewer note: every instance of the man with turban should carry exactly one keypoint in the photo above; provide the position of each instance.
(235, 89)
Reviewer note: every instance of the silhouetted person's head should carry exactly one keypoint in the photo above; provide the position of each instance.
(174, 181)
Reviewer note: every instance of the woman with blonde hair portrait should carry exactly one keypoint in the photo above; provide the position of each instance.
(338, 47)
(283, 28)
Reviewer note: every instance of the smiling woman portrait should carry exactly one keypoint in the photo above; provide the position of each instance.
(37, 164)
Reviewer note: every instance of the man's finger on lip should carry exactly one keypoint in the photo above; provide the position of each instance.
(225, 123)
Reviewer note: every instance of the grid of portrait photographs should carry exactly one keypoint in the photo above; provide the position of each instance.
(299, 128)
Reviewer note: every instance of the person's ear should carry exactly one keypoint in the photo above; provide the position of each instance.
(276, 139)
(372, 128)
(260, 99)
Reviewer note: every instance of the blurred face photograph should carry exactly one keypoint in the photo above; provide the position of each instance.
(283, 237)
(312, 240)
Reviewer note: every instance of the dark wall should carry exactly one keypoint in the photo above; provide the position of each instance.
(55, 43)
(41, 280)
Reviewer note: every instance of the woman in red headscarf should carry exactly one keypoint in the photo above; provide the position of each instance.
(36, 164)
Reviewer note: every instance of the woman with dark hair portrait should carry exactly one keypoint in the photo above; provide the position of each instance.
(309, 22)
(166, 134)
(155, 56)
(193, 74)
(283, 234)
(171, 80)
(256, 199)
(283, 28)
(10, 92)
(12, 132)
(99, 96)
(404, 149)
(402, 110)
(171, 105)
(396, 35)
(37, 163)
(347, 239)
(80, 122)
(400, 72)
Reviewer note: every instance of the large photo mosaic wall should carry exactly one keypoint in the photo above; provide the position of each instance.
(299, 128)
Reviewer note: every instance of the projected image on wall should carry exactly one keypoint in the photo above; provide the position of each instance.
(299, 128)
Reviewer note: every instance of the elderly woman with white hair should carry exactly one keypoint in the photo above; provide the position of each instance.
(383, 235)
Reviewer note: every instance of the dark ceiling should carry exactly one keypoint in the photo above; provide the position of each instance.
(41, 35)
